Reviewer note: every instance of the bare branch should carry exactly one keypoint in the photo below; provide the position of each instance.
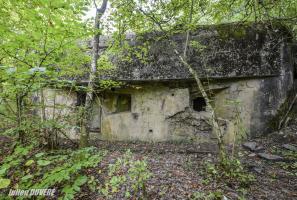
(16, 58)
(94, 1)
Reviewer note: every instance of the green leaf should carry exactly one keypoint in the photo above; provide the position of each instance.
(71, 190)
(39, 155)
(27, 177)
(127, 194)
(4, 183)
(3, 170)
(81, 180)
(29, 162)
(43, 162)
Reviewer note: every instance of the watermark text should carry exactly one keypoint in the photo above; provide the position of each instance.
(32, 192)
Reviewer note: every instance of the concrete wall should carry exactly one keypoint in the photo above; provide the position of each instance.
(163, 111)
(236, 104)
(60, 107)
(272, 93)
(159, 112)
(151, 108)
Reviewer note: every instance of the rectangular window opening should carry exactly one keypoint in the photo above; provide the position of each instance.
(81, 98)
(123, 103)
(199, 104)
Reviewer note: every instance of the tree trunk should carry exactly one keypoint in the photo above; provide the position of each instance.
(85, 129)
(214, 120)
(44, 131)
(19, 105)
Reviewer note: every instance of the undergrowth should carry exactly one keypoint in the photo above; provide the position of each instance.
(229, 171)
(58, 169)
(67, 171)
(127, 177)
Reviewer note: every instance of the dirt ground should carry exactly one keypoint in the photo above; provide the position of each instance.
(178, 169)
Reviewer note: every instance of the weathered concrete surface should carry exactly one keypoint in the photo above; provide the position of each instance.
(60, 107)
(236, 103)
(226, 51)
(248, 71)
(95, 122)
(273, 93)
(163, 111)
(151, 106)
(160, 112)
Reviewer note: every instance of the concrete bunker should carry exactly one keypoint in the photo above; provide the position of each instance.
(248, 77)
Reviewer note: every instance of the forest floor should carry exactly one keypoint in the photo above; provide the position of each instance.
(179, 170)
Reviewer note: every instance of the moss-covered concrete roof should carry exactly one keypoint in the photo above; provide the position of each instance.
(225, 51)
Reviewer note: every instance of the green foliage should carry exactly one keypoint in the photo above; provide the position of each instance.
(139, 174)
(15, 159)
(129, 172)
(39, 45)
(229, 171)
(4, 183)
(29, 162)
(107, 84)
(66, 171)
(43, 162)
(104, 63)
(197, 46)
(47, 170)
(71, 190)
(147, 16)
(289, 167)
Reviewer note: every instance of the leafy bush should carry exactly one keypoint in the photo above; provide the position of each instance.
(13, 160)
(230, 171)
